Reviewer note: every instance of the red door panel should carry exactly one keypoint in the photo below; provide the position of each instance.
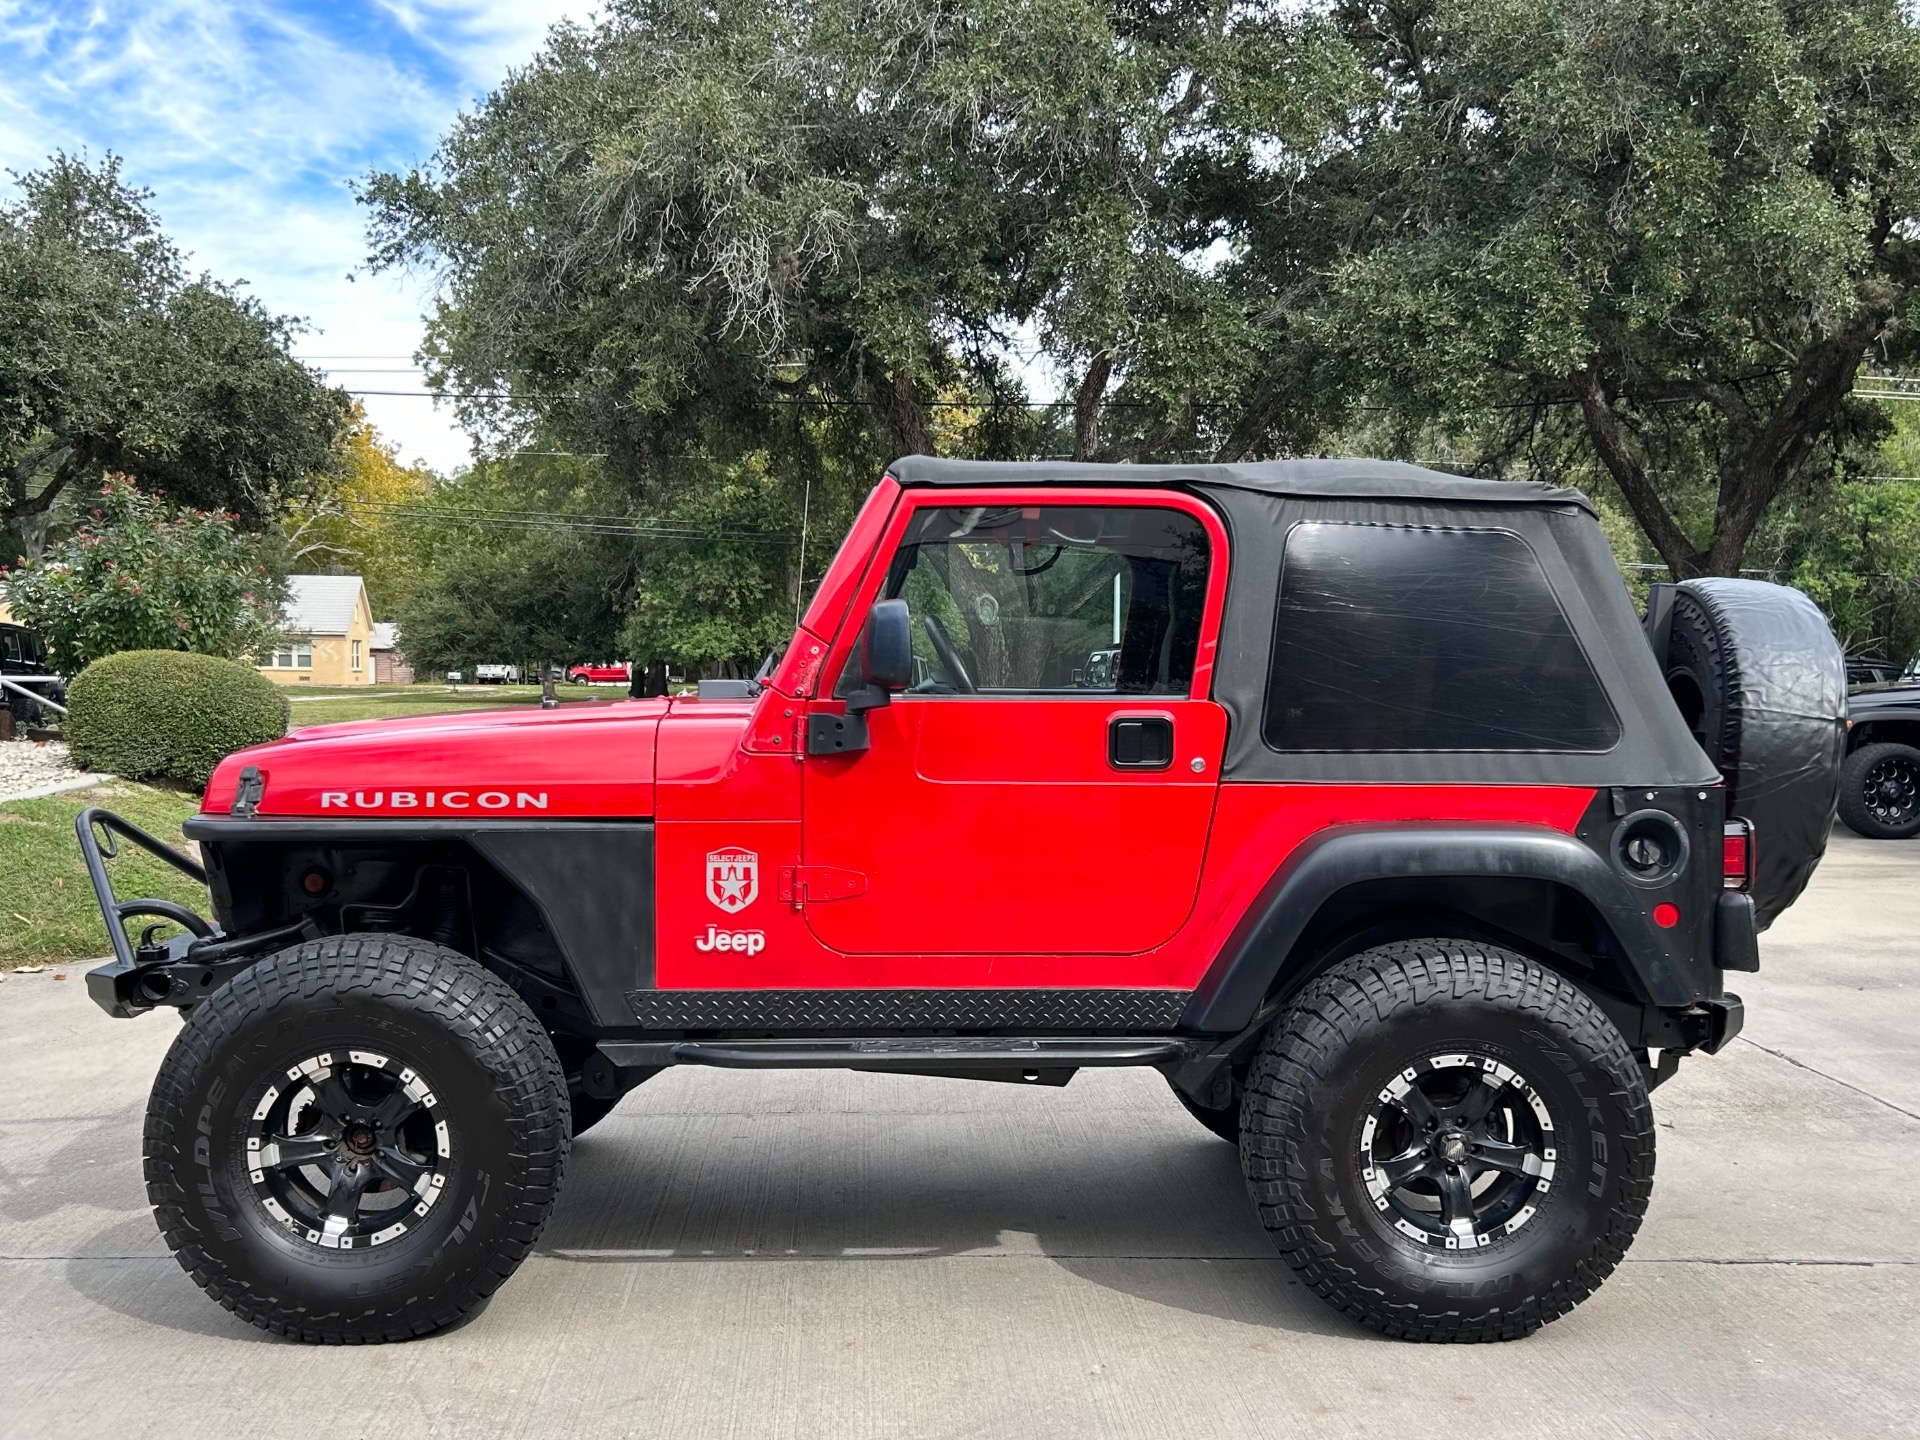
(998, 826)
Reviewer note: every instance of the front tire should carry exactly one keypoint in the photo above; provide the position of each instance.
(1880, 792)
(1448, 1142)
(357, 1139)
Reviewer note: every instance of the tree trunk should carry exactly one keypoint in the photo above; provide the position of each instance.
(1614, 447)
(1086, 405)
(904, 415)
(33, 534)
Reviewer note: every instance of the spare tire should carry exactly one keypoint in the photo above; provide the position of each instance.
(1762, 683)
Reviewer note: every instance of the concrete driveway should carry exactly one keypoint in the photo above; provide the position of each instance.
(847, 1256)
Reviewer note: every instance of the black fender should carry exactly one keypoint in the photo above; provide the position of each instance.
(1261, 946)
(590, 880)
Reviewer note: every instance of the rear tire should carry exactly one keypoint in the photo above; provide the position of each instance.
(357, 1139)
(1880, 792)
(1389, 1196)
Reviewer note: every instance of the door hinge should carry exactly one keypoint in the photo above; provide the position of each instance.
(817, 884)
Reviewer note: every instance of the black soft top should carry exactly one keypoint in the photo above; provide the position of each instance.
(1263, 502)
(1334, 479)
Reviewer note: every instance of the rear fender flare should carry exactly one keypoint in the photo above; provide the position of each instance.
(1262, 945)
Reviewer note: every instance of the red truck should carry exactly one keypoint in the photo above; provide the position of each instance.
(599, 674)
(1354, 798)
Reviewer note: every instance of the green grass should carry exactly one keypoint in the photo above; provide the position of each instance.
(329, 705)
(48, 915)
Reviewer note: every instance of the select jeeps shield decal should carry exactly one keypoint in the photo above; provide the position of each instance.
(733, 879)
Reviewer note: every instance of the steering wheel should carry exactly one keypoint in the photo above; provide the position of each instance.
(949, 655)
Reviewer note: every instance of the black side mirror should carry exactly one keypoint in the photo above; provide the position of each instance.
(886, 647)
(886, 665)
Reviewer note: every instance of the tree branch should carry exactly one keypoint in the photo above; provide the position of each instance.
(1610, 443)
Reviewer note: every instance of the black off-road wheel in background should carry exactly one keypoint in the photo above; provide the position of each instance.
(1448, 1142)
(357, 1139)
(1880, 792)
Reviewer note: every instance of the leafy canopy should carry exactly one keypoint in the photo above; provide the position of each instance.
(744, 253)
(113, 357)
(1650, 233)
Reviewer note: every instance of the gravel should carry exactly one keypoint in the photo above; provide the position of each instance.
(33, 768)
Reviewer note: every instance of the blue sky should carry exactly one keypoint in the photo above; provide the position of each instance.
(248, 119)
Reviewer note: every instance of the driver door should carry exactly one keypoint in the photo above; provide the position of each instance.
(1046, 784)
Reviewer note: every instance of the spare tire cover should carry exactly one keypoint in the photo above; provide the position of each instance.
(1762, 682)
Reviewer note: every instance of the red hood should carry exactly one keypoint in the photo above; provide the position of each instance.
(577, 761)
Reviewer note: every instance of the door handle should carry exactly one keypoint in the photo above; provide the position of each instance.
(1140, 742)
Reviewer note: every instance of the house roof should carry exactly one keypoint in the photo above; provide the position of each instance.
(386, 635)
(321, 604)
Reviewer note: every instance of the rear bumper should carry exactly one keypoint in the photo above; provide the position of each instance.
(1724, 1018)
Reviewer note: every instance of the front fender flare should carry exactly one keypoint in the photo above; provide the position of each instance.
(1242, 974)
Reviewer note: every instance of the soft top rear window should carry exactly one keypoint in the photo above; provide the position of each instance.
(1402, 637)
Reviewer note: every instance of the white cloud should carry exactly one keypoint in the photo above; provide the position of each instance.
(250, 118)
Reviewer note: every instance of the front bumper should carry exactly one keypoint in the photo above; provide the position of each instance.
(179, 970)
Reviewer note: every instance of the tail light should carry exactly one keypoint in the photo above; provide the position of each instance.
(1736, 856)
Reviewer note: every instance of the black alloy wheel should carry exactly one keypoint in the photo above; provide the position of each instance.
(1880, 792)
(349, 1151)
(1458, 1151)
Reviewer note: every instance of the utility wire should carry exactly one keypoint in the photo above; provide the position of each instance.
(557, 521)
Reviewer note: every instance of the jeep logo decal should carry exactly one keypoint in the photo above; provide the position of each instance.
(733, 879)
(744, 942)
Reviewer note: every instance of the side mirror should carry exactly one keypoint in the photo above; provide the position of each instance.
(886, 665)
(886, 647)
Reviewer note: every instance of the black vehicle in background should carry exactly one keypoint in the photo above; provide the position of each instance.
(23, 661)
(1880, 778)
(1872, 670)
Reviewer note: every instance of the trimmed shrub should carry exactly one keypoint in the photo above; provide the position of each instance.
(169, 713)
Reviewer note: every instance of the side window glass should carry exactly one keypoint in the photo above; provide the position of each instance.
(1053, 600)
(1401, 637)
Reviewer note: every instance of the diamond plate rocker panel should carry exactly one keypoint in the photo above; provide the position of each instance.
(908, 1009)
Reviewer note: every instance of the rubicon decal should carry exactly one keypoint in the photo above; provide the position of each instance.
(456, 800)
(744, 942)
(733, 879)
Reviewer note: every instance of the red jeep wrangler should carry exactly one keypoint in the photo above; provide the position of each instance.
(1352, 797)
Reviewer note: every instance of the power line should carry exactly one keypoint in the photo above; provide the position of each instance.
(559, 521)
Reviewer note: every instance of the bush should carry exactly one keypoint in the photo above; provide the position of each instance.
(169, 713)
(144, 575)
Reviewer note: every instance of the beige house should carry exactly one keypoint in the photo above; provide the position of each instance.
(329, 627)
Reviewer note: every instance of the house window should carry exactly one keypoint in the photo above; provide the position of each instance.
(298, 656)
(356, 654)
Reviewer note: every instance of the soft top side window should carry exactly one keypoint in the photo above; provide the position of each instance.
(1057, 600)
(1404, 637)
